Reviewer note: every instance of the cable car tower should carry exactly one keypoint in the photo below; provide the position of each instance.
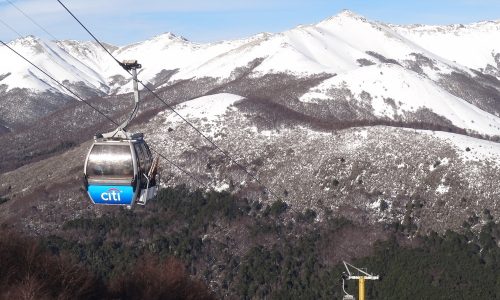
(360, 276)
(120, 168)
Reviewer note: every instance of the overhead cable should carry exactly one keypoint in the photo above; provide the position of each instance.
(100, 112)
(225, 153)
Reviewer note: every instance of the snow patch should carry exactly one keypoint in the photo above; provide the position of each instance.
(222, 187)
(442, 189)
(392, 90)
(469, 45)
(206, 108)
(471, 149)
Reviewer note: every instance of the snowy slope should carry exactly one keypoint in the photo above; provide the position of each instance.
(368, 164)
(393, 91)
(170, 52)
(206, 112)
(332, 46)
(335, 45)
(208, 108)
(386, 61)
(93, 56)
(382, 72)
(475, 150)
(474, 45)
(49, 57)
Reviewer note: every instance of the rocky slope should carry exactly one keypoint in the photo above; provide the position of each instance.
(339, 45)
(425, 179)
(370, 120)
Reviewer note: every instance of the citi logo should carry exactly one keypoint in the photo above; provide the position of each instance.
(113, 194)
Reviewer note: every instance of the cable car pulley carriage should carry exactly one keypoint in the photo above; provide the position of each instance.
(120, 168)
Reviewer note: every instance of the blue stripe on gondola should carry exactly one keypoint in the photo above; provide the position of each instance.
(111, 194)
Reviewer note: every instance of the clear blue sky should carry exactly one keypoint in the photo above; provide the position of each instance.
(122, 22)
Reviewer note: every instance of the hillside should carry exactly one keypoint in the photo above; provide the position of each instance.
(243, 249)
(366, 136)
(339, 45)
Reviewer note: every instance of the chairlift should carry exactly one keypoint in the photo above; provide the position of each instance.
(361, 275)
(120, 168)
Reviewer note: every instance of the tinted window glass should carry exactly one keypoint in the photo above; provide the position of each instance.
(140, 155)
(112, 161)
(147, 157)
(148, 151)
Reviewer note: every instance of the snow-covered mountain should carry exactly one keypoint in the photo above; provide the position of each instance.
(51, 58)
(422, 179)
(336, 45)
(439, 59)
(347, 114)
(474, 46)
(393, 92)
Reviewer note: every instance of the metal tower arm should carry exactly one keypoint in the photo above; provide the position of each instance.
(361, 276)
(120, 132)
(132, 65)
(364, 274)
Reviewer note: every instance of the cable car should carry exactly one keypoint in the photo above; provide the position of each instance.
(120, 168)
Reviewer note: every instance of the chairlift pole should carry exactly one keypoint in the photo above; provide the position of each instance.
(361, 278)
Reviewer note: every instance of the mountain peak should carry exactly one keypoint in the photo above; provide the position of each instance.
(345, 15)
(170, 36)
(29, 41)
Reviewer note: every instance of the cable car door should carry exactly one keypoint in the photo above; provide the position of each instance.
(110, 171)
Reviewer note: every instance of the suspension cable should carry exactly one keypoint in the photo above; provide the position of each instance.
(31, 19)
(225, 153)
(12, 29)
(59, 83)
(101, 113)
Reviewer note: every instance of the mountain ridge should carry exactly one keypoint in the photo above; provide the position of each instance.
(342, 114)
(169, 39)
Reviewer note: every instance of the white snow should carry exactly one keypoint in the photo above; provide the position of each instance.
(169, 52)
(207, 108)
(332, 46)
(470, 45)
(375, 205)
(471, 149)
(409, 92)
(442, 189)
(222, 187)
(49, 57)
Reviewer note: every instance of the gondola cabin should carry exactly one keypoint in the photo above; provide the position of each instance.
(120, 170)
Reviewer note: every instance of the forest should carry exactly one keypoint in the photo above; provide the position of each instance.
(189, 244)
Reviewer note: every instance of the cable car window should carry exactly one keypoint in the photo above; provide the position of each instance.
(147, 157)
(148, 151)
(112, 161)
(140, 155)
